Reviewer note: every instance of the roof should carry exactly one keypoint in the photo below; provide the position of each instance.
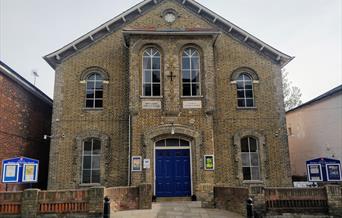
(142, 8)
(24, 83)
(324, 96)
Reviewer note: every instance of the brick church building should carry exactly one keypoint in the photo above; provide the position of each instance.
(172, 94)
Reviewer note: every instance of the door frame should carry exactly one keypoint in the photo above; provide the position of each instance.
(171, 148)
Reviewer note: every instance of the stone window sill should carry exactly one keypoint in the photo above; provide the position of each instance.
(89, 184)
(246, 108)
(253, 182)
(151, 97)
(185, 97)
(92, 109)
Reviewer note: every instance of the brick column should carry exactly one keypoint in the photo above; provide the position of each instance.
(257, 192)
(205, 193)
(334, 196)
(145, 196)
(29, 203)
(95, 202)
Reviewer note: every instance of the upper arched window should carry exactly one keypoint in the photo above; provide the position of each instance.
(91, 154)
(94, 90)
(151, 72)
(244, 85)
(191, 71)
(250, 158)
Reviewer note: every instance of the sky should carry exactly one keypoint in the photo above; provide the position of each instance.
(310, 30)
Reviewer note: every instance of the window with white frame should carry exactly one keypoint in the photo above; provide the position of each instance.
(94, 91)
(151, 72)
(91, 161)
(245, 96)
(250, 158)
(191, 71)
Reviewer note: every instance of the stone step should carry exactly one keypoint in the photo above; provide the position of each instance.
(173, 199)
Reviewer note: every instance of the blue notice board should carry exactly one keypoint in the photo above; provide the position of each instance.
(20, 170)
(324, 170)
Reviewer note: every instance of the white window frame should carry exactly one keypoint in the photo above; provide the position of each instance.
(91, 159)
(94, 99)
(190, 71)
(250, 160)
(143, 71)
(245, 90)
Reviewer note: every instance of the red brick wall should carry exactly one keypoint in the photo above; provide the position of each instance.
(24, 119)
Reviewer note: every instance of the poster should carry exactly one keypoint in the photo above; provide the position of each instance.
(334, 172)
(314, 172)
(209, 162)
(10, 170)
(136, 163)
(30, 173)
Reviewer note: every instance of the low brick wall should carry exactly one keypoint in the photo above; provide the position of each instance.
(276, 201)
(123, 198)
(231, 198)
(73, 203)
(130, 198)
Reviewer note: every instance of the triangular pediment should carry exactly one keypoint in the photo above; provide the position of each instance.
(144, 7)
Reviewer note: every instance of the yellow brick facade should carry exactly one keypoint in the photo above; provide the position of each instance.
(215, 129)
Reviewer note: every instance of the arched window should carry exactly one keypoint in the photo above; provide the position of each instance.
(91, 161)
(244, 85)
(191, 72)
(250, 158)
(151, 72)
(94, 91)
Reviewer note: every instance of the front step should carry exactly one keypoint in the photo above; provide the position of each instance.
(173, 199)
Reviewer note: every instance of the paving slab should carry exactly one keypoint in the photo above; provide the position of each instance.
(176, 210)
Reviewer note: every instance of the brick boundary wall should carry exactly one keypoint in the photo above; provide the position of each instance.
(75, 203)
(276, 201)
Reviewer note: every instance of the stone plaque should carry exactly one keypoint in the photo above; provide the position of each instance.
(192, 104)
(151, 104)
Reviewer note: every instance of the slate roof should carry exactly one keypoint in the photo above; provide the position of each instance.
(142, 8)
(9, 72)
(328, 94)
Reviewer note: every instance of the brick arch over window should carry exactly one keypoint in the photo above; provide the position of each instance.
(164, 131)
(94, 69)
(77, 155)
(244, 70)
(263, 154)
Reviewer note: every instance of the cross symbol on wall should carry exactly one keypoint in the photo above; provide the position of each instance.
(171, 76)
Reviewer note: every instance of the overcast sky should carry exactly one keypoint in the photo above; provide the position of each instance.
(310, 30)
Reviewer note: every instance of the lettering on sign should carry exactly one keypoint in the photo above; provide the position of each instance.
(151, 104)
(192, 104)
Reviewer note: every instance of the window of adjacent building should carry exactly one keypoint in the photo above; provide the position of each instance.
(191, 72)
(91, 161)
(94, 95)
(151, 72)
(245, 95)
(250, 159)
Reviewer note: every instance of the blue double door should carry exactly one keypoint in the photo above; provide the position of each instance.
(173, 173)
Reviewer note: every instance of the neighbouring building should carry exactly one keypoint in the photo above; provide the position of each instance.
(25, 116)
(172, 94)
(315, 130)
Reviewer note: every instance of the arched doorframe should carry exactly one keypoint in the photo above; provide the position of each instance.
(164, 131)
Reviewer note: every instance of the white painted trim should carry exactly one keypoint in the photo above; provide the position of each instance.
(339, 167)
(308, 172)
(172, 148)
(138, 6)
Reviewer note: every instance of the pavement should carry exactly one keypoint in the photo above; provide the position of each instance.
(187, 209)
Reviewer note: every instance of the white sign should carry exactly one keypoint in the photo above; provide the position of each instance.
(192, 104)
(146, 163)
(151, 104)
